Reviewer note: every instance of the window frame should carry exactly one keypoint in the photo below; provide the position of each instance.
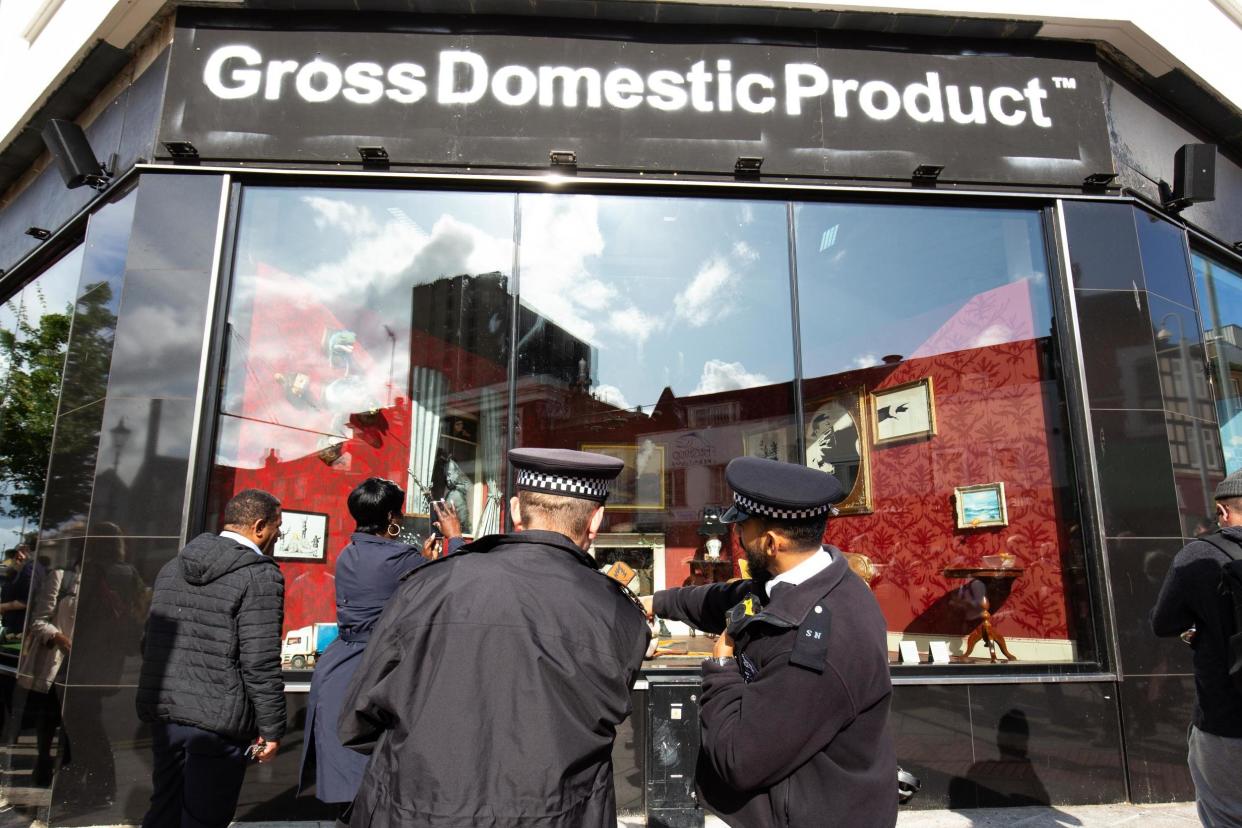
(1105, 664)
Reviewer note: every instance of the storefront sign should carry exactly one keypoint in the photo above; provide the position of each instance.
(503, 100)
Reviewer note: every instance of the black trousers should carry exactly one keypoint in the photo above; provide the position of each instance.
(197, 777)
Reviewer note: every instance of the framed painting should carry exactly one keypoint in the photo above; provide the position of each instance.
(979, 507)
(904, 412)
(770, 444)
(837, 443)
(640, 486)
(304, 537)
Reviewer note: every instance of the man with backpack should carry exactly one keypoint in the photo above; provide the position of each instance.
(1201, 600)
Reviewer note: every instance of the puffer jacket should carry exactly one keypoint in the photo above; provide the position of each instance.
(211, 650)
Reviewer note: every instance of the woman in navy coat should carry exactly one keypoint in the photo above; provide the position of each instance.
(368, 572)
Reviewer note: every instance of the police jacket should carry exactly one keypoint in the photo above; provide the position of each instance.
(795, 733)
(491, 689)
(211, 649)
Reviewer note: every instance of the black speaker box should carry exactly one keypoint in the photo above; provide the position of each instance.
(1194, 173)
(74, 157)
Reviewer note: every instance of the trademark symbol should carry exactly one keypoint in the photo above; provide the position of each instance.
(1065, 83)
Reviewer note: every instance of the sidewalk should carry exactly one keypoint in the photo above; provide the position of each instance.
(1175, 815)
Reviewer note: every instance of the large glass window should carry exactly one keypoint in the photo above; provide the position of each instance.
(34, 337)
(659, 331)
(1220, 304)
(930, 389)
(369, 334)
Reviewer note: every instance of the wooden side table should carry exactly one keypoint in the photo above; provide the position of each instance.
(991, 639)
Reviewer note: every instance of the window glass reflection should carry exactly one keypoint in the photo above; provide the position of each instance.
(1220, 304)
(367, 336)
(659, 331)
(34, 336)
(931, 391)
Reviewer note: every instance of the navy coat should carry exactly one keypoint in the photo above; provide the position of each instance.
(368, 572)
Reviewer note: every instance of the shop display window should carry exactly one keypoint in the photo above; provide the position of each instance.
(658, 331)
(373, 332)
(34, 338)
(1219, 289)
(368, 336)
(931, 389)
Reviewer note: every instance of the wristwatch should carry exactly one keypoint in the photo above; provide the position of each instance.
(721, 661)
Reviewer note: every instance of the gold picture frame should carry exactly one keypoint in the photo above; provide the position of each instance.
(640, 486)
(981, 507)
(832, 422)
(904, 412)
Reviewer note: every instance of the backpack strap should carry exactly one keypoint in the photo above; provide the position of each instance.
(1231, 548)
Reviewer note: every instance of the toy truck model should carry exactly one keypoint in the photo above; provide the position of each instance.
(303, 647)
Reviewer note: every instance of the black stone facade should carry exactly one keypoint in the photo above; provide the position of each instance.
(1114, 734)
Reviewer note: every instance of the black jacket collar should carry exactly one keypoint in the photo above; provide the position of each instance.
(791, 604)
(540, 537)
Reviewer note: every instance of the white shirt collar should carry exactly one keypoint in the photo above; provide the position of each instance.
(804, 571)
(242, 539)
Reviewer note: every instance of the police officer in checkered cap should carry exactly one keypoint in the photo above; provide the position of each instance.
(501, 672)
(794, 708)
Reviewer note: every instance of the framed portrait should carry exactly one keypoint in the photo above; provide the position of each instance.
(641, 482)
(904, 412)
(837, 443)
(770, 444)
(304, 537)
(979, 507)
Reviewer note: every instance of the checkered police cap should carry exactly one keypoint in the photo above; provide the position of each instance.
(565, 472)
(754, 507)
(780, 491)
(584, 487)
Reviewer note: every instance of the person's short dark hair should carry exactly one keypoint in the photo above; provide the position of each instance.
(802, 534)
(568, 515)
(372, 501)
(249, 506)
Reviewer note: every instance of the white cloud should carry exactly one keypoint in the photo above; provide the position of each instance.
(703, 300)
(746, 213)
(995, 334)
(611, 395)
(559, 234)
(745, 252)
(389, 252)
(634, 324)
(719, 375)
(866, 361)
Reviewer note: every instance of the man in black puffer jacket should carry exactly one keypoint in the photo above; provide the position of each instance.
(211, 683)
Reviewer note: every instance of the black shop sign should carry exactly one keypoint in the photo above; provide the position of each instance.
(504, 99)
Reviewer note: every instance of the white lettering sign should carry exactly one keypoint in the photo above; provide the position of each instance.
(463, 77)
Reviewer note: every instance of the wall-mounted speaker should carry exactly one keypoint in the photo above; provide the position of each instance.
(1194, 175)
(74, 157)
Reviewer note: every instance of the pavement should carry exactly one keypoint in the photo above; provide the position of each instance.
(1172, 815)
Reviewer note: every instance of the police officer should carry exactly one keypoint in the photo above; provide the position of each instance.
(493, 684)
(794, 707)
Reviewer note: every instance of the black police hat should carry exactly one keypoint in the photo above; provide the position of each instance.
(780, 491)
(565, 472)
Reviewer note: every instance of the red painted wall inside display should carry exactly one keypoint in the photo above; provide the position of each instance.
(286, 337)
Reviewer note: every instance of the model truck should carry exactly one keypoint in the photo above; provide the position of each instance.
(303, 647)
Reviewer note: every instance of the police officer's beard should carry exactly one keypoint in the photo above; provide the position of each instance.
(757, 563)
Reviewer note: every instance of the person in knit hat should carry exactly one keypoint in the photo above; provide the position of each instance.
(1193, 605)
